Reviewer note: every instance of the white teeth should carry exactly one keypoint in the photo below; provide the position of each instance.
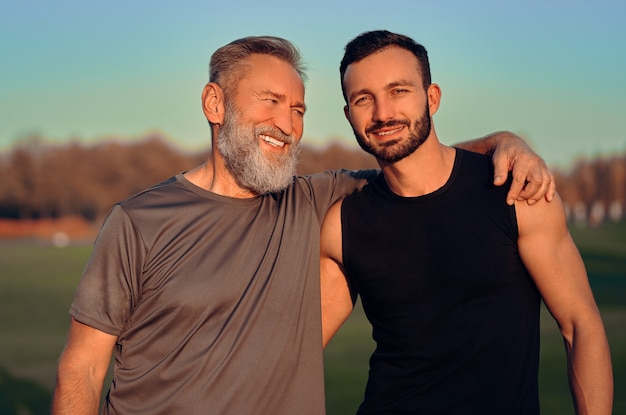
(272, 141)
(388, 132)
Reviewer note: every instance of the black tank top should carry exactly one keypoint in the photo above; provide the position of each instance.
(455, 314)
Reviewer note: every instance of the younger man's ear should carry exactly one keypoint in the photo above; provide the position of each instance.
(213, 103)
(434, 98)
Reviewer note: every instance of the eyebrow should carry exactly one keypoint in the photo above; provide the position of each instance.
(283, 98)
(390, 85)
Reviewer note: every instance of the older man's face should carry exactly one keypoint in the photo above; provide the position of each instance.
(263, 125)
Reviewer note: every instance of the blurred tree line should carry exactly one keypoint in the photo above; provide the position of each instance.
(50, 181)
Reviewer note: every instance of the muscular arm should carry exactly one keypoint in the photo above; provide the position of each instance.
(82, 368)
(336, 300)
(554, 262)
(532, 180)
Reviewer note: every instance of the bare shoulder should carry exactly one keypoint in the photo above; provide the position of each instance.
(541, 217)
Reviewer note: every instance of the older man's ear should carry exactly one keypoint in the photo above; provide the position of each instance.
(213, 103)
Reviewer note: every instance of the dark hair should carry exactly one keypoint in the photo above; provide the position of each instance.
(229, 62)
(368, 43)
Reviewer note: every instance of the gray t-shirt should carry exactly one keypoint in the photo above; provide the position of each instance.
(215, 300)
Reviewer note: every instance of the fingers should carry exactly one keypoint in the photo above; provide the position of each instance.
(517, 186)
(502, 161)
(538, 183)
(532, 179)
(532, 192)
(551, 189)
(500, 172)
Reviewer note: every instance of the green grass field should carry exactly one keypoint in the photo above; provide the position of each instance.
(37, 282)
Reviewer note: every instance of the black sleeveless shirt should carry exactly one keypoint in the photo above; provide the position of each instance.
(455, 314)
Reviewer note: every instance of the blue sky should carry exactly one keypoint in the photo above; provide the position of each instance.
(551, 71)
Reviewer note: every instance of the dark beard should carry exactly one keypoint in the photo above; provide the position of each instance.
(396, 150)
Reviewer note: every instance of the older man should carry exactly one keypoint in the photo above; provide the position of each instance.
(206, 286)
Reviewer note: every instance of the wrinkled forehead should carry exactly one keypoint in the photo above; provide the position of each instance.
(269, 73)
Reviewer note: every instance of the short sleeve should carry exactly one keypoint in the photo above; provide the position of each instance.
(326, 188)
(110, 286)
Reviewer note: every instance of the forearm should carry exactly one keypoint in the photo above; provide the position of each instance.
(487, 144)
(83, 366)
(76, 394)
(590, 373)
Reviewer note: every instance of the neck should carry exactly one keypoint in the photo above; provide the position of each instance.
(215, 177)
(424, 171)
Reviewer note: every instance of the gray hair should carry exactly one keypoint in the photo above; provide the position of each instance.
(229, 63)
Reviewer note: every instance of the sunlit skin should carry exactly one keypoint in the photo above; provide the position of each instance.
(377, 94)
(387, 86)
(272, 97)
(269, 96)
(380, 93)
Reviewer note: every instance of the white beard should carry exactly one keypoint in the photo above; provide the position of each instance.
(238, 143)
